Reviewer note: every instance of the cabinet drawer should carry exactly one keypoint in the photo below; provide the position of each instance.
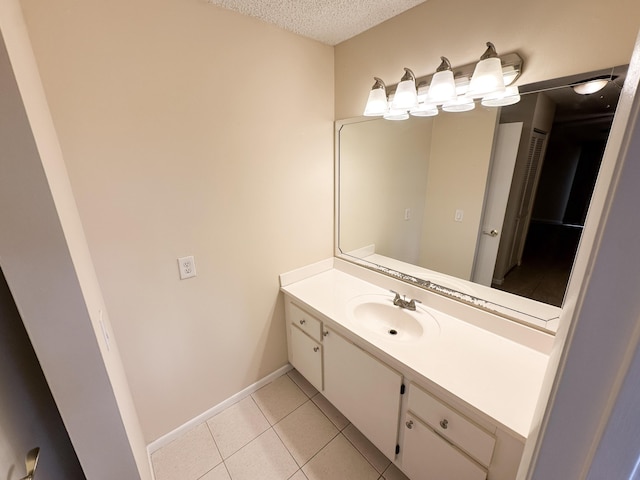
(426, 456)
(469, 437)
(308, 324)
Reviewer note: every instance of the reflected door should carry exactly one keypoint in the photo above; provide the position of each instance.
(502, 166)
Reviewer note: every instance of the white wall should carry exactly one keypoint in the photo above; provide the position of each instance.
(190, 130)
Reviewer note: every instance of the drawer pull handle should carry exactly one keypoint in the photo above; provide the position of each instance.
(315, 349)
(303, 321)
(444, 424)
(325, 333)
(409, 424)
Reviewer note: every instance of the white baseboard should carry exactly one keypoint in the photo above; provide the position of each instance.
(194, 422)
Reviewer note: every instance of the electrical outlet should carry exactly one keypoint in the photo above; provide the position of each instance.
(187, 267)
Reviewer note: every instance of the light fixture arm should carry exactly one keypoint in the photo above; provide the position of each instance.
(490, 52)
(445, 65)
(379, 84)
(408, 75)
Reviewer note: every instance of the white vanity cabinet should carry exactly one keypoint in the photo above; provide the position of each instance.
(427, 427)
(440, 443)
(364, 389)
(305, 347)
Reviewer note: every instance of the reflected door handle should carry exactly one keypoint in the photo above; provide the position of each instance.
(31, 462)
(492, 233)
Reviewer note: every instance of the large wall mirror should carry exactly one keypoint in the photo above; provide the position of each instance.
(487, 205)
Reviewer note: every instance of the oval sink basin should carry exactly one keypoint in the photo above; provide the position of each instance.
(378, 314)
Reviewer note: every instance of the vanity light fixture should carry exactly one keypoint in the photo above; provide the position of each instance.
(377, 103)
(487, 76)
(591, 86)
(490, 82)
(406, 96)
(443, 86)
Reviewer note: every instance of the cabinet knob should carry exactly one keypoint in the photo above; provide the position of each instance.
(409, 424)
(315, 349)
(303, 321)
(325, 333)
(444, 424)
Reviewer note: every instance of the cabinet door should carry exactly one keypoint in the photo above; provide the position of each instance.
(364, 389)
(306, 356)
(427, 456)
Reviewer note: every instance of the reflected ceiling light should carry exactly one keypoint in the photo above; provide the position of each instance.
(443, 86)
(459, 104)
(406, 96)
(377, 103)
(510, 96)
(424, 110)
(591, 86)
(487, 76)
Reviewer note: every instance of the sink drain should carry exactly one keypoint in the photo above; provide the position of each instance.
(393, 332)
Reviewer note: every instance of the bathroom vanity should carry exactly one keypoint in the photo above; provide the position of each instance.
(447, 391)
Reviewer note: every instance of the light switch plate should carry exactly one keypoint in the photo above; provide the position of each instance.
(459, 215)
(187, 267)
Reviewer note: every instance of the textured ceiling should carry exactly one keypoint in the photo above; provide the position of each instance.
(328, 21)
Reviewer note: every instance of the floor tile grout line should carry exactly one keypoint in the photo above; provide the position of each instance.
(363, 455)
(320, 450)
(244, 444)
(214, 440)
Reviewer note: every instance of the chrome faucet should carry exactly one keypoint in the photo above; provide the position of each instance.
(403, 302)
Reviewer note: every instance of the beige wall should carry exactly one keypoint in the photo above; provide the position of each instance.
(555, 38)
(383, 171)
(461, 152)
(190, 130)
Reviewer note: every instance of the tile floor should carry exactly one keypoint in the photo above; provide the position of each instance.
(284, 431)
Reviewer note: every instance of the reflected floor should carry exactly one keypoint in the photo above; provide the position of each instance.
(546, 264)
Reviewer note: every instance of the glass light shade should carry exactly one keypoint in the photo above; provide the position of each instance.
(459, 104)
(487, 78)
(406, 96)
(510, 96)
(509, 74)
(377, 103)
(396, 114)
(424, 110)
(442, 88)
(590, 87)
(462, 85)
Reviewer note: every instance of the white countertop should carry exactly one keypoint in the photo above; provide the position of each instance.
(491, 373)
